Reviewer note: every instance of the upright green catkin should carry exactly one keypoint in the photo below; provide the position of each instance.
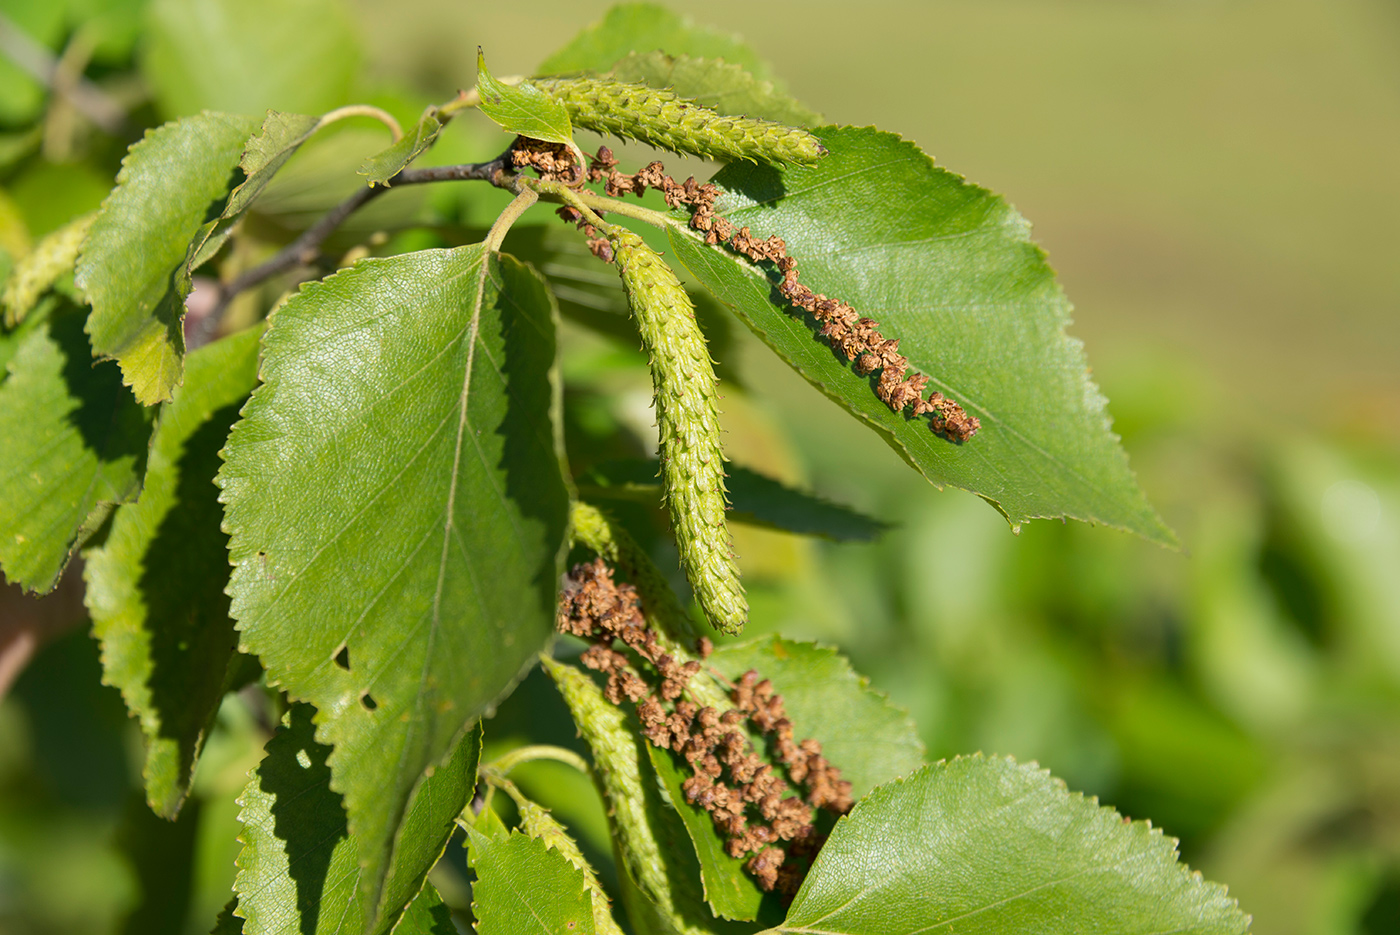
(660, 118)
(692, 462)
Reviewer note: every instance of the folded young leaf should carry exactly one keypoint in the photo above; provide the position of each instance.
(133, 265)
(984, 845)
(724, 87)
(397, 511)
(522, 109)
(861, 733)
(643, 27)
(524, 887)
(72, 446)
(381, 167)
(755, 498)
(949, 270)
(155, 587)
(298, 855)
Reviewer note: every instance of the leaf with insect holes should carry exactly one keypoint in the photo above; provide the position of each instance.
(381, 167)
(72, 445)
(299, 869)
(155, 587)
(522, 109)
(949, 270)
(133, 265)
(397, 510)
(984, 845)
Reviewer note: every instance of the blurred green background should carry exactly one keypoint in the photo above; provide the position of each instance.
(1216, 182)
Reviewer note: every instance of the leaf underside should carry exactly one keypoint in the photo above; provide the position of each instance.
(984, 845)
(155, 587)
(949, 270)
(724, 87)
(396, 512)
(522, 109)
(381, 167)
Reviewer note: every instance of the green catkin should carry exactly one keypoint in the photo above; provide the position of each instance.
(41, 268)
(635, 808)
(692, 461)
(661, 119)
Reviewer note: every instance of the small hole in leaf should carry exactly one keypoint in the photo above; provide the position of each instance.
(342, 658)
(368, 701)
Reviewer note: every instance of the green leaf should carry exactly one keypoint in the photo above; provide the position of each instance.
(133, 264)
(228, 923)
(986, 845)
(299, 871)
(754, 498)
(522, 109)
(427, 915)
(861, 733)
(72, 446)
(244, 56)
(155, 587)
(396, 511)
(949, 270)
(722, 86)
(646, 27)
(280, 136)
(381, 167)
(523, 886)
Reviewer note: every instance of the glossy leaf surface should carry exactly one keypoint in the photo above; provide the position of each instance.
(989, 846)
(155, 587)
(133, 264)
(949, 270)
(72, 446)
(397, 511)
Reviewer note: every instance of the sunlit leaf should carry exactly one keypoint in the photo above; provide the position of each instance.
(988, 846)
(523, 886)
(396, 511)
(72, 446)
(949, 270)
(132, 266)
(299, 871)
(522, 109)
(155, 587)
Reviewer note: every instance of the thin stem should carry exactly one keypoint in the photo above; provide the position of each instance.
(509, 216)
(363, 110)
(528, 754)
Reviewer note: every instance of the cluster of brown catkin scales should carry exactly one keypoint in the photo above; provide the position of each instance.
(745, 797)
(857, 338)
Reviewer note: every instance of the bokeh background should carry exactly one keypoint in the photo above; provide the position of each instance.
(1215, 181)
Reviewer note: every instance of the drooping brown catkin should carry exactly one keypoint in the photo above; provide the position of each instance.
(857, 338)
(746, 799)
